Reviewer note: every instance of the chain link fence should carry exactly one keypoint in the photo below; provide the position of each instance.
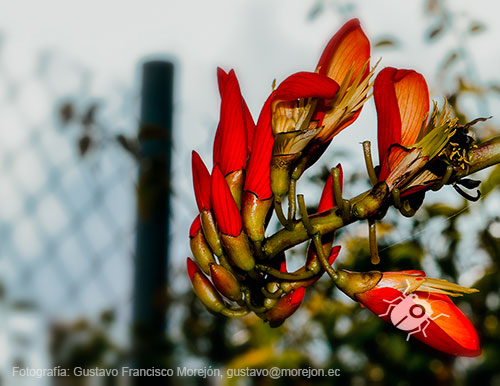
(67, 206)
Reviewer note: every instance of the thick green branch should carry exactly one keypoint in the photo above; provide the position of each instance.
(367, 204)
(486, 155)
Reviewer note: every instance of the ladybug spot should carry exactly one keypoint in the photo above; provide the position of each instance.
(417, 311)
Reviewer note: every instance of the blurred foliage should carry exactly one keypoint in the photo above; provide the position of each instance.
(93, 133)
(84, 343)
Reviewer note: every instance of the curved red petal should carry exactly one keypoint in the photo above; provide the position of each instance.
(258, 180)
(348, 48)
(327, 200)
(195, 227)
(452, 334)
(224, 207)
(201, 182)
(456, 325)
(230, 144)
(305, 85)
(412, 94)
(402, 102)
(388, 118)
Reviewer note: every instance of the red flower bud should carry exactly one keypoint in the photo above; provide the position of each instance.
(203, 289)
(225, 209)
(230, 145)
(417, 305)
(201, 182)
(225, 282)
(285, 307)
(199, 247)
(258, 179)
(192, 268)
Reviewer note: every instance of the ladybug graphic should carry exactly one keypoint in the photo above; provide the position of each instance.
(411, 313)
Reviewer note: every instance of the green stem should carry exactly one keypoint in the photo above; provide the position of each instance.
(284, 275)
(322, 257)
(279, 213)
(343, 205)
(271, 295)
(364, 205)
(235, 312)
(406, 210)
(367, 204)
(372, 237)
(485, 155)
(396, 198)
(367, 152)
(292, 200)
(251, 307)
(445, 179)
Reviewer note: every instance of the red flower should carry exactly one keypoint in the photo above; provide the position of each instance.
(287, 113)
(417, 305)
(402, 102)
(224, 207)
(230, 144)
(345, 59)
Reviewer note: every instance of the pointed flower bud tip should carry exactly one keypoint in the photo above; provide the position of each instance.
(195, 227)
(225, 282)
(192, 268)
(334, 254)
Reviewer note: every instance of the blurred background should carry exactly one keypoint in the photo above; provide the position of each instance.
(75, 154)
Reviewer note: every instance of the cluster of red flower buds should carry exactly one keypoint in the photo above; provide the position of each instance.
(256, 167)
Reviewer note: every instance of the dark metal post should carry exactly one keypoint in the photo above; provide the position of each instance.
(151, 260)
